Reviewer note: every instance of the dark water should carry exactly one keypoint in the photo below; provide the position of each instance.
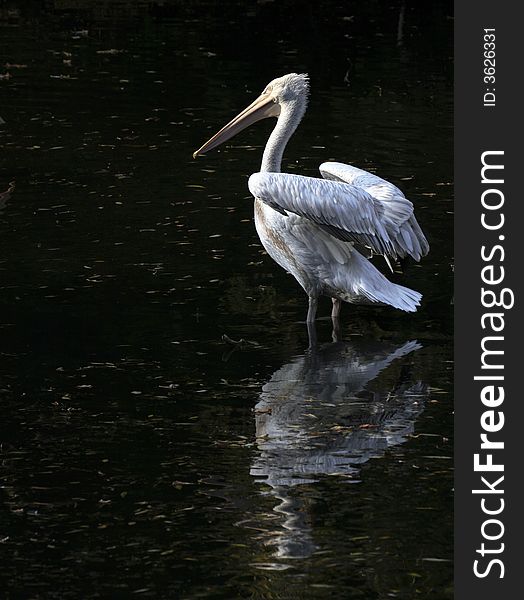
(141, 455)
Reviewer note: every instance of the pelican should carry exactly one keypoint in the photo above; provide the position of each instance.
(313, 227)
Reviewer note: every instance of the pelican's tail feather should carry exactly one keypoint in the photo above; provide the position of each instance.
(405, 298)
(391, 294)
(362, 282)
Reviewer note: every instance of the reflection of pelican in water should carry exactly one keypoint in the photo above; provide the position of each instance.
(316, 417)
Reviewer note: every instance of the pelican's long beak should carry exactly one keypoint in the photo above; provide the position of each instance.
(264, 106)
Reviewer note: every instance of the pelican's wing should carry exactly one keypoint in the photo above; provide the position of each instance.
(400, 222)
(347, 212)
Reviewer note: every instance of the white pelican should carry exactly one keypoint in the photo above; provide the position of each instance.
(309, 226)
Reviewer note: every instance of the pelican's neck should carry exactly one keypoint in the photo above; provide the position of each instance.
(291, 114)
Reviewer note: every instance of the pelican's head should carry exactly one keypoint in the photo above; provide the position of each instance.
(282, 94)
(289, 88)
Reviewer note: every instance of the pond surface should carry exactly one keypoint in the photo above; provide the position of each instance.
(142, 455)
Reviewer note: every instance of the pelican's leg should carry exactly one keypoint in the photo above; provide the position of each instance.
(337, 304)
(312, 310)
(335, 319)
(312, 335)
(335, 334)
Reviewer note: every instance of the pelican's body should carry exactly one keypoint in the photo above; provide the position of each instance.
(309, 226)
(321, 263)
